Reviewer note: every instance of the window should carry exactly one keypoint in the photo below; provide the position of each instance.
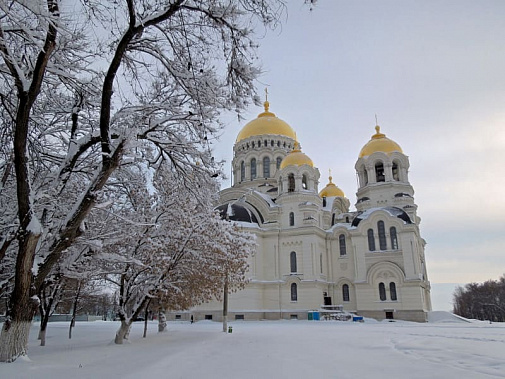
(294, 292)
(291, 219)
(332, 216)
(266, 167)
(291, 183)
(208, 317)
(394, 238)
(396, 172)
(341, 242)
(392, 291)
(382, 235)
(253, 169)
(239, 317)
(265, 143)
(365, 175)
(272, 143)
(293, 317)
(321, 263)
(382, 291)
(292, 262)
(379, 172)
(242, 171)
(371, 240)
(345, 292)
(177, 317)
(278, 162)
(304, 181)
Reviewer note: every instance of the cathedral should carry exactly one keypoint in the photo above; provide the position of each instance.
(314, 257)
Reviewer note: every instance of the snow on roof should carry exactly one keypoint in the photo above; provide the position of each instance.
(267, 198)
(393, 211)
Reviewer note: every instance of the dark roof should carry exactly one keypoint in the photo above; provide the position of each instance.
(236, 212)
(393, 211)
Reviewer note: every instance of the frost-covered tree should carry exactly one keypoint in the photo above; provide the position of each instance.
(177, 250)
(86, 86)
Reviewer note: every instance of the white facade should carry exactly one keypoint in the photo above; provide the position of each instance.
(311, 249)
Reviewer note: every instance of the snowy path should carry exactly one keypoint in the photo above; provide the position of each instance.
(282, 349)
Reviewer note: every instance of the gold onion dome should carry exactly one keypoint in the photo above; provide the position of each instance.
(379, 142)
(296, 158)
(331, 190)
(266, 123)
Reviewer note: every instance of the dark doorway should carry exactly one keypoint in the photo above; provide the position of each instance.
(327, 300)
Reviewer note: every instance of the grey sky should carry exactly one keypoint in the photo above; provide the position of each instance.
(434, 73)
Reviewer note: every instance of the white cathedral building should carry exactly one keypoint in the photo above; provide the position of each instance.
(313, 253)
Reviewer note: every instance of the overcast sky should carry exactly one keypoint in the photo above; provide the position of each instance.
(434, 73)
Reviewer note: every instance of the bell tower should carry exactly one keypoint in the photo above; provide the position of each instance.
(382, 171)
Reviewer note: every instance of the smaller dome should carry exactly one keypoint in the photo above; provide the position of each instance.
(331, 190)
(379, 142)
(296, 158)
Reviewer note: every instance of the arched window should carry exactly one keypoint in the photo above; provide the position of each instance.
(382, 291)
(379, 172)
(332, 216)
(304, 181)
(278, 162)
(371, 240)
(252, 144)
(394, 238)
(392, 291)
(365, 175)
(341, 241)
(396, 171)
(292, 262)
(265, 143)
(345, 292)
(291, 183)
(272, 143)
(294, 292)
(266, 167)
(291, 219)
(382, 235)
(242, 171)
(253, 168)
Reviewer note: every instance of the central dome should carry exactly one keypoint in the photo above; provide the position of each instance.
(379, 142)
(266, 123)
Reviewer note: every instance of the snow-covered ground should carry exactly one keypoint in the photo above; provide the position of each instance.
(446, 347)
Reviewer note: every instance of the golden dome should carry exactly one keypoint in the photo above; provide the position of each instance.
(266, 123)
(296, 158)
(379, 142)
(331, 190)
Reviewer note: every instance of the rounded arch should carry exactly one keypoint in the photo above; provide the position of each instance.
(380, 170)
(385, 272)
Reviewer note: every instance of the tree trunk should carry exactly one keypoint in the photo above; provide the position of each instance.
(225, 306)
(44, 319)
(146, 313)
(123, 332)
(16, 328)
(74, 309)
(162, 321)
